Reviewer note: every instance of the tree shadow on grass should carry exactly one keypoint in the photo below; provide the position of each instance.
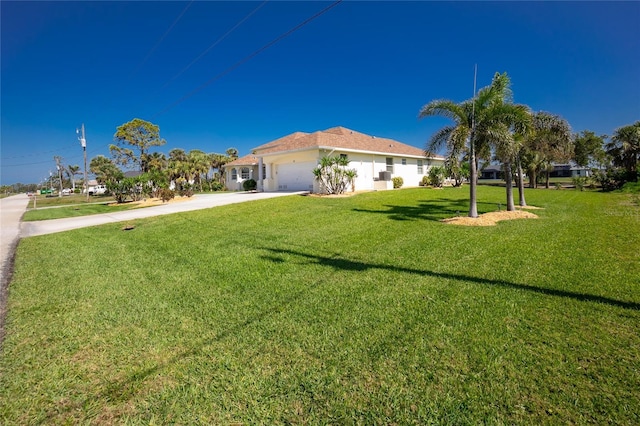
(435, 210)
(126, 389)
(358, 266)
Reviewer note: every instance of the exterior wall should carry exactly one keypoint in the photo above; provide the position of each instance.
(236, 184)
(294, 171)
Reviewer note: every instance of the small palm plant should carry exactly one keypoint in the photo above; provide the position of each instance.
(333, 175)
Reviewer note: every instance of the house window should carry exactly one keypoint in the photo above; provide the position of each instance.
(404, 161)
(244, 173)
(234, 174)
(420, 168)
(264, 171)
(390, 164)
(343, 156)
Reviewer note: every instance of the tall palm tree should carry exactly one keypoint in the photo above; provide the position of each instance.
(475, 127)
(507, 126)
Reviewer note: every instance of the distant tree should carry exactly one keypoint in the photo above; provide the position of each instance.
(233, 153)
(104, 169)
(198, 164)
(624, 149)
(333, 175)
(216, 161)
(60, 169)
(549, 142)
(140, 135)
(177, 168)
(588, 148)
(156, 162)
(72, 171)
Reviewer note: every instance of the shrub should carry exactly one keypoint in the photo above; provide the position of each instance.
(249, 185)
(121, 189)
(581, 182)
(165, 194)
(436, 176)
(333, 175)
(424, 181)
(217, 186)
(397, 182)
(185, 189)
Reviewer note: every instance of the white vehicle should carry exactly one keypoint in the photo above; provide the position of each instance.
(66, 191)
(97, 190)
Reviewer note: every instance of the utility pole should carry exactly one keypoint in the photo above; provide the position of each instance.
(59, 168)
(83, 142)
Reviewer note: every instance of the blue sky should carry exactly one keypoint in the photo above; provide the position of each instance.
(368, 66)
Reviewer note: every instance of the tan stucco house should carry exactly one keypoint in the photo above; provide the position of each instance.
(286, 164)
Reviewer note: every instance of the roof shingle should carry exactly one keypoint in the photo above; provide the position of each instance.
(340, 138)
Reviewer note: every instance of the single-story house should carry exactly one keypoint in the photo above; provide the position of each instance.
(491, 172)
(569, 170)
(287, 163)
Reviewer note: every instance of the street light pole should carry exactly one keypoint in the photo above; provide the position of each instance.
(83, 142)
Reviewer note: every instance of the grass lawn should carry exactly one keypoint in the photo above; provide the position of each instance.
(73, 199)
(73, 210)
(358, 310)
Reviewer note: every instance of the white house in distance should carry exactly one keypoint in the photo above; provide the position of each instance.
(287, 163)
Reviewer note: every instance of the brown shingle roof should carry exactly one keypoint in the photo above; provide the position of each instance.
(339, 138)
(247, 160)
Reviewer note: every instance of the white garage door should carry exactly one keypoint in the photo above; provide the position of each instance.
(295, 176)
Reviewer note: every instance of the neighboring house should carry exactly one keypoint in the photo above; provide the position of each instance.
(491, 172)
(559, 170)
(287, 164)
(568, 170)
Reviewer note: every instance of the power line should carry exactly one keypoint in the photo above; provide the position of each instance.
(247, 58)
(160, 39)
(214, 44)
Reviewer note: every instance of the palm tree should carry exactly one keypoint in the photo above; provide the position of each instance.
(474, 129)
(549, 142)
(72, 171)
(198, 165)
(156, 161)
(508, 124)
(232, 152)
(625, 149)
(216, 161)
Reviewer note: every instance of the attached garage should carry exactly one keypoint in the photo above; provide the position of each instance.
(295, 176)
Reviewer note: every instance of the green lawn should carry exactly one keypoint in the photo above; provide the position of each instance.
(359, 310)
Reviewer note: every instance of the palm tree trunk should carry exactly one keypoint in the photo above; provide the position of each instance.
(532, 178)
(473, 207)
(546, 185)
(509, 179)
(523, 203)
